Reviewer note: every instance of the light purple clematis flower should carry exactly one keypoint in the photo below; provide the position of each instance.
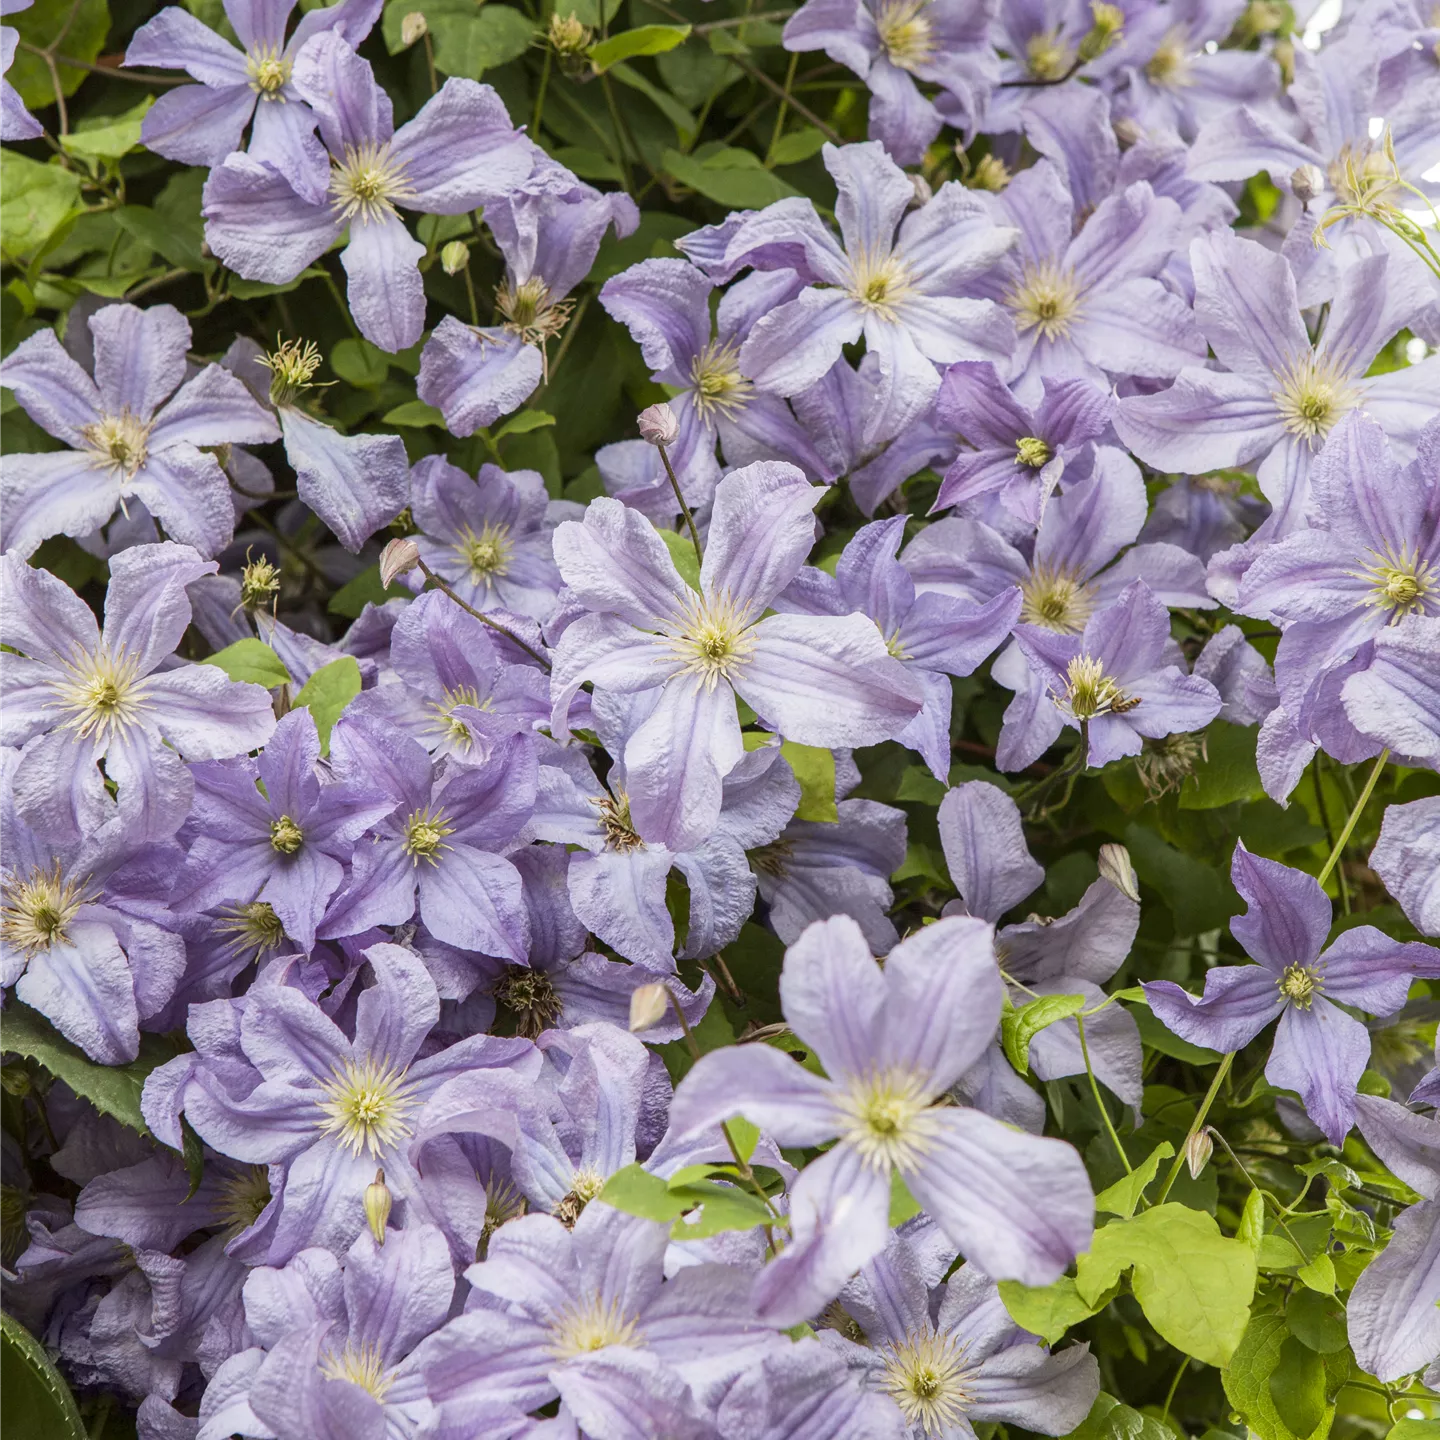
(272, 828)
(130, 437)
(436, 849)
(892, 1043)
(665, 304)
(933, 636)
(297, 1091)
(1407, 858)
(954, 1358)
(1116, 682)
(458, 153)
(76, 696)
(549, 233)
(202, 124)
(825, 681)
(1319, 1051)
(1395, 699)
(1279, 397)
(891, 44)
(490, 539)
(895, 279)
(16, 122)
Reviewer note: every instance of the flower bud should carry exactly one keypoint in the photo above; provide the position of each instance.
(1128, 132)
(454, 257)
(398, 558)
(648, 1005)
(1115, 867)
(1198, 1149)
(378, 1204)
(567, 36)
(659, 425)
(1107, 23)
(1306, 182)
(412, 28)
(923, 193)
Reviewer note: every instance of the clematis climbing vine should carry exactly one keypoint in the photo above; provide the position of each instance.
(720, 722)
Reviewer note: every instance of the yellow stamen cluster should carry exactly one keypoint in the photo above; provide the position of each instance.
(585, 1185)
(1401, 581)
(926, 1375)
(719, 385)
(367, 1106)
(1311, 395)
(888, 1118)
(360, 1365)
(1031, 450)
(286, 836)
(1046, 298)
(529, 311)
(1300, 984)
(1089, 692)
(906, 32)
(424, 835)
(615, 822)
(243, 1197)
(102, 695)
(711, 638)
(1047, 57)
(291, 365)
(259, 583)
(1169, 67)
(36, 910)
(588, 1325)
(253, 927)
(118, 443)
(1057, 599)
(879, 283)
(268, 71)
(368, 182)
(446, 724)
(486, 555)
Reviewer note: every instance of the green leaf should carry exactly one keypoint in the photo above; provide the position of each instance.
(1227, 773)
(84, 26)
(1018, 1027)
(798, 145)
(1318, 1321)
(258, 289)
(35, 201)
(1198, 898)
(662, 100)
(327, 692)
(653, 238)
(642, 40)
(469, 36)
(744, 1136)
(414, 413)
(113, 1090)
(358, 362)
(365, 589)
(173, 229)
(1247, 1382)
(1414, 1430)
(1297, 1387)
(524, 422)
(1252, 1222)
(1158, 1036)
(814, 768)
(682, 554)
(253, 661)
(38, 1402)
(903, 1205)
(636, 1191)
(1124, 1195)
(1194, 1284)
(107, 137)
(1047, 1310)
(729, 176)
(1110, 1420)
(721, 1207)
(1318, 1274)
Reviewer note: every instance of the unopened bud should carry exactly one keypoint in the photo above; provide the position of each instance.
(648, 1005)
(567, 36)
(454, 257)
(659, 425)
(1198, 1150)
(413, 27)
(1128, 131)
(990, 173)
(398, 558)
(1261, 17)
(1107, 21)
(1115, 867)
(1306, 182)
(923, 193)
(378, 1204)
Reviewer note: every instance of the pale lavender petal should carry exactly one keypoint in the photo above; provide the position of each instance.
(764, 1085)
(833, 995)
(1407, 859)
(52, 389)
(475, 376)
(197, 124)
(354, 483)
(461, 151)
(1392, 1314)
(259, 226)
(1238, 1003)
(386, 293)
(761, 530)
(985, 850)
(1321, 1053)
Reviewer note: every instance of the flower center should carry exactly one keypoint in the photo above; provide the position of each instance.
(589, 1325)
(102, 696)
(1047, 56)
(719, 385)
(879, 283)
(268, 70)
(259, 583)
(888, 1118)
(367, 1104)
(1169, 66)
(906, 32)
(585, 1185)
(243, 1198)
(486, 555)
(255, 927)
(291, 366)
(1032, 451)
(927, 1377)
(425, 832)
(368, 182)
(772, 859)
(615, 822)
(1046, 298)
(712, 638)
(36, 912)
(360, 1365)
(1056, 599)
(119, 443)
(1090, 692)
(1313, 394)
(1300, 984)
(285, 835)
(530, 996)
(457, 732)
(1401, 581)
(529, 311)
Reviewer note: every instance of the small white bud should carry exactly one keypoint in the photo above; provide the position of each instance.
(1306, 182)
(1198, 1150)
(1115, 867)
(413, 27)
(923, 193)
(1128, 131)
(398, 558)
(659, 425)
(648, 1005)
(378, 1204)
(454, 257)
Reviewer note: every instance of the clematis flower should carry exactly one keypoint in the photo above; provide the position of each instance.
(130, 437)
(16, 122)
(271, 828)
(457, 154)
(1319, 1051)
(549, 233)
(896, 279)
(1407, 858)
(892, 1043)
(77, 696)
(1116, 680)
(933, 636)
(820, 681)
(1395, 699)
(665, 304)
(202, 124)
(947, 1365)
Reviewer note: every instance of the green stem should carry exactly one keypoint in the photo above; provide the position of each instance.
(1354, 816)
(510, 635)
(1100, 1099)
(1221, 1071)
(684, 508)
(784, 105)
(341, 305)
(1174, 1386)
(539, 110)
(618, 126)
